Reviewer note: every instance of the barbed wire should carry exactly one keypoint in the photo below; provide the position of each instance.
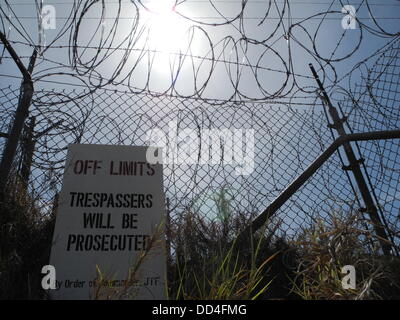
(120, 35)
(113, 62)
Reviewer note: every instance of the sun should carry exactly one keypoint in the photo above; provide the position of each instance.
(167, 33)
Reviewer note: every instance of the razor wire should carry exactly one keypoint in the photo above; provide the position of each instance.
(288, 137)
(119, 105)
(241, 41)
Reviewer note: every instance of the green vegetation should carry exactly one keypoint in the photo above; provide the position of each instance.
(25, 242)
(342, 239)
(205, 264)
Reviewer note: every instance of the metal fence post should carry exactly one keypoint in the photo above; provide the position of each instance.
(29, 146)
(21, 114)
(354, 166)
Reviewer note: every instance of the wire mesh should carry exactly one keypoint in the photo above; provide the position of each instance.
(288, 137)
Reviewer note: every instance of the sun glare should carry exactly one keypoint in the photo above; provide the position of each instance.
(167, 33)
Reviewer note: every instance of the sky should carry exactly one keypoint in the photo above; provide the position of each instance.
(226, 50)
(220, 59)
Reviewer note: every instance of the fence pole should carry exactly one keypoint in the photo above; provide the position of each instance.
(293, 187)
(168, 244)
(354, 166)
(29, 147)
(21, 114)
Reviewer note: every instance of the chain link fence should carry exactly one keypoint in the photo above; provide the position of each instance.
(288, 137)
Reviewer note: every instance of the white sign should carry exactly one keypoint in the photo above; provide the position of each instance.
(109, 238)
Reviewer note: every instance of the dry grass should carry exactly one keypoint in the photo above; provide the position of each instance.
(203, 264)
(327, 246)
(207, 265)
(25, 242)
(103, 290)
